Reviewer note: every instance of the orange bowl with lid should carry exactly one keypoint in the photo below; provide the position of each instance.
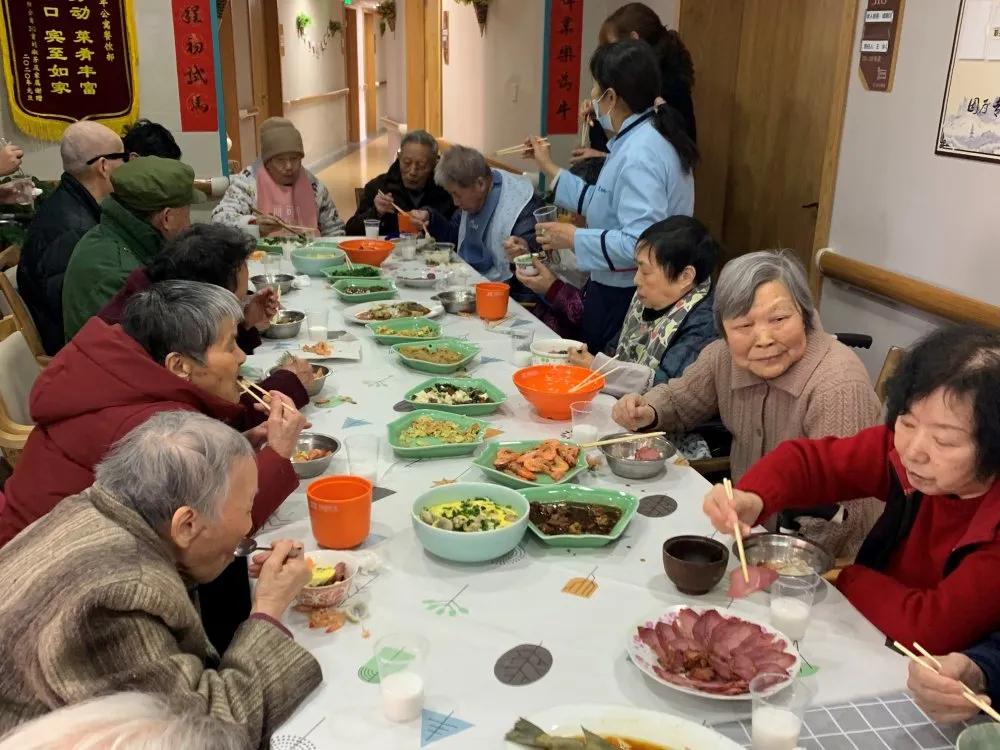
(547, 388)
(371, 252)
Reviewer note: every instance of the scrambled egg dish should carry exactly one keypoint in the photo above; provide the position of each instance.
(475, 514)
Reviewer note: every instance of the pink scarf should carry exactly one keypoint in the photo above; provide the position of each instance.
(294, 205)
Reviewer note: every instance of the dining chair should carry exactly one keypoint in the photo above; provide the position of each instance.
(25, 323)
(20, 369)
(10, 256)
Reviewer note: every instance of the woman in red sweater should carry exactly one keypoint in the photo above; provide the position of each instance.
(927, 570)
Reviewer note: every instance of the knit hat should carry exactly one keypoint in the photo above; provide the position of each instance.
(279, 136)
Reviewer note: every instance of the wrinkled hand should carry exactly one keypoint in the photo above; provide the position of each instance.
(555, 235)
(632, 412)
(10, 193)
(283, 425)
(268, 226)
(580, 154)
(581, 357)
(281, 574)
(301, 369)
(10, 159)
(940, 695)
(420, 216)
(539, 150)
(260, 308)
(745, 507)
(586, 113)
(515, 246)
(540, 283)
(383, 203)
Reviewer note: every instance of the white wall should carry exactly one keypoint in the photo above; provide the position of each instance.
(157, 100)
(394, 54)
(900, 206)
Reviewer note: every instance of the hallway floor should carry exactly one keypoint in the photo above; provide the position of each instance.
(353, 171)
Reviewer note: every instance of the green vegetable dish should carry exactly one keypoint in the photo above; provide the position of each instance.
(355, 271)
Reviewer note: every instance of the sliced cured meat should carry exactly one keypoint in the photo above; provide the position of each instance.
(760, 578)
(649, 637)
(744, 667)
(666, 635)
(705, 625)
(686, 620)
(721, 667)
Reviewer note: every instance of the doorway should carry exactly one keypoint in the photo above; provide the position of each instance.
(371, 81)
(769, 99)
(423, 59)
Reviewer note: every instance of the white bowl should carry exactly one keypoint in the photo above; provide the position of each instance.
(334, 594)
(545, 351)
(526, 264)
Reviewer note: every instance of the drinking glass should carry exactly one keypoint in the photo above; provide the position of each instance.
(401, 661)
(791, 604)
(362, 456)
(372, 227)
(317, 321)
(546, 214)
(586, 421)
(777, 716)
(459, 278)
(520, 345)
(272, 267)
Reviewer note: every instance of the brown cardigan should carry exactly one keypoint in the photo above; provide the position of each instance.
(826, 393)
(93, 603)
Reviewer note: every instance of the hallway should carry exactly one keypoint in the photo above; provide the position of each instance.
(354, 170)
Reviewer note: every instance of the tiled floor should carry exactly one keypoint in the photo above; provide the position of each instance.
(354, 170)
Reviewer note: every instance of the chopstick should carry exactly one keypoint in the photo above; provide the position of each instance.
(967, 692)
(625, 439)
(398, 209)
(253, 395)
(287, 227)
(736, 530)
(519, 147)
(401, 211)
(593, 375)
(250, 384)
(929, 655)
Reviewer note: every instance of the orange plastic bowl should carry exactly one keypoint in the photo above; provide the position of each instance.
(371, 252)
(406, 224)
(546, 387)
(340, 510)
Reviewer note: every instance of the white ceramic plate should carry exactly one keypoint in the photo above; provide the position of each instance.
(630, 723)
(350, 350)
(351, 313)
(542, 350)
(418, 277)
(642, 656)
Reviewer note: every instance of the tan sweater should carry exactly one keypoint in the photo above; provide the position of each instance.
(92, 603)
(826, 393)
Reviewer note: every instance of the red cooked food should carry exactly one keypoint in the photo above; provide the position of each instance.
(647, 454)
(713, 653)
(760, 578)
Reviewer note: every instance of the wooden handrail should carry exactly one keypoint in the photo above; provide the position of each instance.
(445, 145)
(317, 97)
(907, 290)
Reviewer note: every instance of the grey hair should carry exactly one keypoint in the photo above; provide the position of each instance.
(127, 721)
(173, 459)
(185, 317)
(83, 141)
(420, 138)
(742, 276)
(461, 166)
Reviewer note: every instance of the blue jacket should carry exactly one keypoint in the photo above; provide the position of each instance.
(987, 656)
(695, 333)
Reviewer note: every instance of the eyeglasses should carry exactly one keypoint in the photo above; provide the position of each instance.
(123, 155)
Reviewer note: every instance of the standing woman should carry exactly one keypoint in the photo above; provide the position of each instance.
(647, 178)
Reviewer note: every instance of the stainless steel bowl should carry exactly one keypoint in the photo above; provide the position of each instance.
(777, 550)
(286, 325)
(317, 385)
(619, 456)
(457, 301)
(283, 280)
(308, 441)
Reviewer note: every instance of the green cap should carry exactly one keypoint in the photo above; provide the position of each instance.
(151, 183)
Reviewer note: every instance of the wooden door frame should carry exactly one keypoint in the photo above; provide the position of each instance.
(423, 62)
(369, 19)
(272, 42)
(351, 78)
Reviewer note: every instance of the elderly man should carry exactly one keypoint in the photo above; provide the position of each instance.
(151, 203)
(493, 207)
(279, 187)
(106, 605)
(409, 184)
(90, 153)
(147, 138)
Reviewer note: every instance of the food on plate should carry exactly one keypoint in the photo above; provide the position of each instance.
(326, 575)
(310, 455)
(364, 289)
(353, 271)
(712, 653)
(320, 255)
(394, 310)
(328, 618)
(789, 567)
(271, 241)
(417, 332)
(760, 578)
(470, 515)
(573, 518)
(320, 349)
(647, 454)
(257, 255)
(422, 429)
(551, 457)
(451, 395)
(438, 356)
(527, 734)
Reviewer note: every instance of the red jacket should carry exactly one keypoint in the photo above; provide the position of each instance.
(938, 555)
(95, 390)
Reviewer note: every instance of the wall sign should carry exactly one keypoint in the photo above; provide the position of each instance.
(67, 60)
(195, 65)
(565, 26)
(879, 43)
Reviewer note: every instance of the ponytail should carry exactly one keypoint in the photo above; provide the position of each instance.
(669, 124)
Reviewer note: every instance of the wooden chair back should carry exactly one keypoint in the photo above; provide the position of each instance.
(892, 359)
(20, 370)
(25, 323)
(10, 256)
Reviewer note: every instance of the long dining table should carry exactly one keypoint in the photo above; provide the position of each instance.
(474, 616)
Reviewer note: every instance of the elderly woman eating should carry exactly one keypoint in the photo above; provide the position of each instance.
(776, 375)
(924, 572)
(106, 604)
(279, 187)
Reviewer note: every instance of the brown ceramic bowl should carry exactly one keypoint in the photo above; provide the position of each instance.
(694, 563)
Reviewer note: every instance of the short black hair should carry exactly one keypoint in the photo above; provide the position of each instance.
(965, 362)
(681, 241)
(210, 253)
(150, 139)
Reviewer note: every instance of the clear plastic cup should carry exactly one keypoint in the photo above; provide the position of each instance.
(372, 227)
(401, 659)
(586, 426)
(791, 604)
(778, 715)
(521, 340)
(317, 324)
(546, 214)
(363, 456)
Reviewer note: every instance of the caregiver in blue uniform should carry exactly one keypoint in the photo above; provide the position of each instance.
(647, 177)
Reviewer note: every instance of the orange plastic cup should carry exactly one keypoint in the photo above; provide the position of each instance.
(340, 510)
(406, 224)
(491, 300)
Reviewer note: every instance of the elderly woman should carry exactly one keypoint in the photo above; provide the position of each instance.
(776, 376)
(409, 184)
(279, 187)
(493, 206)
(106, 606)
(924, 572)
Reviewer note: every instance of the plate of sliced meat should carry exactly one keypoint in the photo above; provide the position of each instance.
(710, 652)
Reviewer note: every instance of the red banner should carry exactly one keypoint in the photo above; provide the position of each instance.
(195, 65)
(563, 76)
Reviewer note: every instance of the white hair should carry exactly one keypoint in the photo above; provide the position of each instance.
(741, 277)
(84, 140)
(125, 721)
(461, 166)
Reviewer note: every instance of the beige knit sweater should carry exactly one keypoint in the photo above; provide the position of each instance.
(92, 603)
(826, 393)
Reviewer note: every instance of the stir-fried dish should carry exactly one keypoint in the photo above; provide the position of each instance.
(527, 734)
(326, 575)
(394, 310)
(309, 455)
(354, 271)
(572, 518)
(364, 289)
(415, 332)
(469, 515)
(450, 395)
(426, 430)
(320, 348)
(438, 355)
(551, 457)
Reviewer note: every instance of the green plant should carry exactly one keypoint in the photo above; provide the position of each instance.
(387, 15)
(302, 22)
(334, 27)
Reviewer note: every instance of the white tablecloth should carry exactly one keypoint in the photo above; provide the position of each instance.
(518, 600)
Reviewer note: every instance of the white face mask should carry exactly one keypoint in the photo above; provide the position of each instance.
(603, 120)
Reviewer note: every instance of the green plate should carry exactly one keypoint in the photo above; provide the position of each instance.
(342, 284)
(467, 350)
(497, 397)
(433, 447)
(403, 324)
(626, 503)
(343, 271)
(485, 462)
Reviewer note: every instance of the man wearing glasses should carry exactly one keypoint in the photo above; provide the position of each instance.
(90, 153)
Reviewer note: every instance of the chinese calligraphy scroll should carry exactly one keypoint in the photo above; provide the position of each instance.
(68, 60)
(195, 65)
(563, 74)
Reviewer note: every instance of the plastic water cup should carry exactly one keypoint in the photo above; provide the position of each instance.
(317, 322)
(372, 227)
(401, 659)
(791, 604)
(778, 715)
(363, 455)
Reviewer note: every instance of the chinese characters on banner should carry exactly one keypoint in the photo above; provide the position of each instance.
(565, 42)
(195, 65)
(66, 60)
(879, 42)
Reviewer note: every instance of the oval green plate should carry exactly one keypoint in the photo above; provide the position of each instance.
(497, 397)
(433, 447)
(464, 348)
(403, 324)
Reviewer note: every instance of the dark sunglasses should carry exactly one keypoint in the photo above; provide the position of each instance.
(123, 155)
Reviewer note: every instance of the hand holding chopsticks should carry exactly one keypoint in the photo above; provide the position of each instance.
(737, 533)
(255, 392)
(521, 148)
(934, 665)
(290, 228)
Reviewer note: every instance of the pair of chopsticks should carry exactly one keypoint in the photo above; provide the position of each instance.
(625, 439)
(520, 148)
(297, 231)
(595, 374)
(252, 390)
(736, 532)
(935, 666)
(427, 232)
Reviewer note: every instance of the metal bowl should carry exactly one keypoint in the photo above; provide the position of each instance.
(776, 550)
(308, 441)
(457, 301)
(283, 280)
(319, 381)
(619, 456)
(286, 325)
